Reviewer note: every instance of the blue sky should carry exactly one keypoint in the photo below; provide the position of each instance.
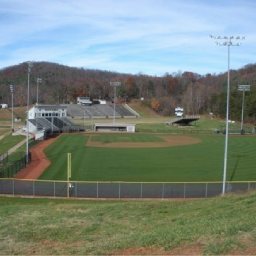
(152, 37)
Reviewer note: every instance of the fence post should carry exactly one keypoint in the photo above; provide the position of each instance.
(13, 187)
(184, 190)
(206, 190)
(53, 188)
(119, 190)
(33, 188)
(163, 192)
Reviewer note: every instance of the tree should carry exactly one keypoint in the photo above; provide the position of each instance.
(131, 89)
(155, 105)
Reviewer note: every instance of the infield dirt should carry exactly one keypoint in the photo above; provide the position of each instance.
(169, 142)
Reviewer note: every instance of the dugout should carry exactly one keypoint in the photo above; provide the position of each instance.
(115, 127)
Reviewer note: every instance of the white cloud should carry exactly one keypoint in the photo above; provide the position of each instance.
(154, 36)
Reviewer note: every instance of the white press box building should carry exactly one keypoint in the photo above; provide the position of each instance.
(46, 119)
(46, 111)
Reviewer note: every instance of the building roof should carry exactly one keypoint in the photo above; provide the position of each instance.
(113, 125)
(51, 106)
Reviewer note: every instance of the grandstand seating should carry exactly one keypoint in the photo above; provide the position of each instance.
(107, 110)
(54, 124)
(64, 124)
(98, 111)
(67, 121)
(75, 110)
(183, 120)
(36, 124)
(123, 111)
(46, 124)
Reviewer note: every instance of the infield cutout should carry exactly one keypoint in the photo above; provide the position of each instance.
(169, 141)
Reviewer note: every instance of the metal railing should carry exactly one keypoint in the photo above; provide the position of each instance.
(119, 190)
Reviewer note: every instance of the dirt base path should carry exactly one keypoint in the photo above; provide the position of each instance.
(39, 161)
(170, 141)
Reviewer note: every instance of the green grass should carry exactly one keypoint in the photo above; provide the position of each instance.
(4, 130)
(9, 141)
(77, 227)
(198, 162)
(200, 126)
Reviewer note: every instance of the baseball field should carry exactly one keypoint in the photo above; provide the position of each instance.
(150, 157)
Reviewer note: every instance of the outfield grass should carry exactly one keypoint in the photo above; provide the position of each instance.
(215, 226)
(198, 162)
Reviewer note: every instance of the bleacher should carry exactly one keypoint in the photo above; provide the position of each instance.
(46, 124)
(183, 121)
(56, 121)
(107, 110)
(98, 111)
(76, 110)
(64, 124)
(67, 121)
(93, 111)
(54, 124)
(123, 111)
(36, 124)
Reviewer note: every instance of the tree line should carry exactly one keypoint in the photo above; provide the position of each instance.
(197, 94)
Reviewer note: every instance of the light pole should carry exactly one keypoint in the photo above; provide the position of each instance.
(115, 84)
(30, 64)
(243, 88)
(227, 41)
(11, 88)
(38, 80)
(84, 120)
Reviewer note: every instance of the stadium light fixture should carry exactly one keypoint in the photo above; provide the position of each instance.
(11, 89)
(30, 64)
(227, 41)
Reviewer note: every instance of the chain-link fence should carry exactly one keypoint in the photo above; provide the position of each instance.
(119, 190)
(10, 169)
(3, 159)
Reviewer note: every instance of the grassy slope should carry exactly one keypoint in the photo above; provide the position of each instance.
(6, 114)
(51, 226)
(9, 141)
(199, 162)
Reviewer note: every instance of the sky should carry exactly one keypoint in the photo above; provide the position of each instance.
(151, 37)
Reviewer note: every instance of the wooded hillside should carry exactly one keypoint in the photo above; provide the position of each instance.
(197, 94)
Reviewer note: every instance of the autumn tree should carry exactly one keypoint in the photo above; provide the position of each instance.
(131, 89)
(155, 105)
